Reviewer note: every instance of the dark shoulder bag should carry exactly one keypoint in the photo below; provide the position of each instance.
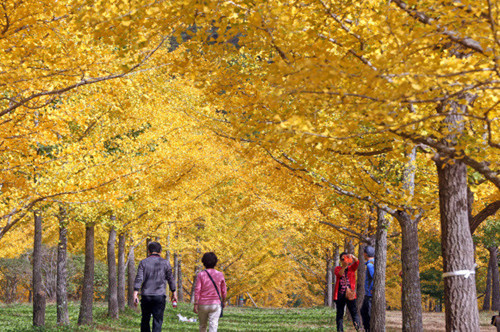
(221, 304)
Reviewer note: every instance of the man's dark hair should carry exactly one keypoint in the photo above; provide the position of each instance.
(154, 247)
(342, 255)
(209, 260)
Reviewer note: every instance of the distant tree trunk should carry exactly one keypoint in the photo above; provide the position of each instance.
(112, 283)
(457, 248)
(197, 270)
(167, 257)
(495, 280)
(377, 316)
(148, 241)
(360, 281)
(487, 292)
(349, 247)
(62, 277)
(85, 316)
(180, 290)
(335, 262)
(39, 296)
(328, 281)
(412, 296)
(176, 268)
(121, 272)
(131, 277)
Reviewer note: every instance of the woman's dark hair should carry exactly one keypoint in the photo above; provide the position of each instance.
(342, 255)
(154, 247)
(209, 260)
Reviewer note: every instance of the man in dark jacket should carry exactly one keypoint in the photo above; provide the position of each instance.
(366, 308)
(152, 274)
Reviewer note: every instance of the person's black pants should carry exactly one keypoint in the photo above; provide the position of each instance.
(340, 304)
(366, 309)
(152, 305)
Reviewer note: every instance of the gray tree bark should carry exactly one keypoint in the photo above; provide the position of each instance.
(176, 268)
(112, 282)
(131, 277)
(487, 292)
(197, 270)
(456, 241)
(39, 296)
(328, 281)
(360, 281)
(121, 272)
(495, 280)
(457, 247)
(167, 257)
(336, 262)
(377, 316)
(412, 296)
(62, 276)
(180, 290)
(85, 316)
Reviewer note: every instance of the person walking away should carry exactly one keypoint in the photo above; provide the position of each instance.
(153, 273)
(344, 293)
(369, 255)
(209, 294)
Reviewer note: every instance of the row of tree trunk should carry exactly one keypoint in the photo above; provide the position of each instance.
(118, 272)
(411, 297)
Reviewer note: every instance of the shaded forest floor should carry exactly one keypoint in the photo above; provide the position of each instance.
(18, 317)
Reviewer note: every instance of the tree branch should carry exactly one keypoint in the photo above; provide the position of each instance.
(453, 35)
(490, 210)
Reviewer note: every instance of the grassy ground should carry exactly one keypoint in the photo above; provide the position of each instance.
(18, 318)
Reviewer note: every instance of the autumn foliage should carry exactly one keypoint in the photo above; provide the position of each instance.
(267, 131)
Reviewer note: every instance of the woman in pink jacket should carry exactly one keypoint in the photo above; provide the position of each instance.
(209, 294)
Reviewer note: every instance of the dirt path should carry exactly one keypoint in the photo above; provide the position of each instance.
(434, 321)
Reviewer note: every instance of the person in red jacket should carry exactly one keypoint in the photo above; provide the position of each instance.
(346, 279)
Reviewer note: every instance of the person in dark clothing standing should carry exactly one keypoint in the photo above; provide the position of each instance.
(152, 274)
(346, 282)
(369, 254)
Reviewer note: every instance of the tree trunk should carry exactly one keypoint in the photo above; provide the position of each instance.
(180, 290)
(62, 276)
(457, 248)
(360, 282)
(377, 316)
(167, 257)
(412, 297)
(336, 262)
(85, 316)
(112, 283)
(197, 270)
(38, 294)
(487, 292)
(328, 281)
(176, 268)
(148, 241)
(39, 302)
(131, 277)
(495, 282)
(121, 272)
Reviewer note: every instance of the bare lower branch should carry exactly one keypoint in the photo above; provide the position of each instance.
(453, 35)
(490, 210)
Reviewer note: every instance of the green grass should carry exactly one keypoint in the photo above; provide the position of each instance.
(18, 318)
